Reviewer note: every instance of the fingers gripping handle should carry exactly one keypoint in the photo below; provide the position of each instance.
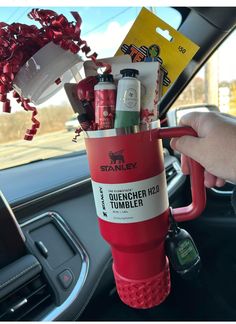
(198, 190)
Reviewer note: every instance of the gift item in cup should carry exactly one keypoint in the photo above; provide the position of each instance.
(85, 93)
(84, 122)
(105, 100)
(128, 99)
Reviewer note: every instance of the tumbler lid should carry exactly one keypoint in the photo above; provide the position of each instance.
(45, 73)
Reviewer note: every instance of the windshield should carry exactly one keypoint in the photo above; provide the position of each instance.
(58, 123)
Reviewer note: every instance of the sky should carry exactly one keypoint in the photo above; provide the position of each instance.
(94, 19)
(105, 27)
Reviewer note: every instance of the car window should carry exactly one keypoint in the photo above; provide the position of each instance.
(215, 83)
(56, 116)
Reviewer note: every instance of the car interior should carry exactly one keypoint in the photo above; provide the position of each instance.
(54, 263)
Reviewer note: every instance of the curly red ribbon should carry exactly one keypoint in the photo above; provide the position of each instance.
(19, 42)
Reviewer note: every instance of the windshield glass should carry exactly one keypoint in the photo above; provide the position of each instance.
(103, 28)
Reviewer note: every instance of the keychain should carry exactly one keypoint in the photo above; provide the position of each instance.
(182, 251)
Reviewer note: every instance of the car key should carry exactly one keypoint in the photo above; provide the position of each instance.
(182, 251)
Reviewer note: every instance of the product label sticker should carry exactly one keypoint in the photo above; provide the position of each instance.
(145, 43)
(105, 104)
(186, 252)
(128, 97)
(131, 202)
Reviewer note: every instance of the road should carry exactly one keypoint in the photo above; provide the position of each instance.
(41, 147)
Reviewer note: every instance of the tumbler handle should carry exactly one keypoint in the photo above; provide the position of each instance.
(198, 190)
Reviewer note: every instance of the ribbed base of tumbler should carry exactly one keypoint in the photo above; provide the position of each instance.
(144, 293)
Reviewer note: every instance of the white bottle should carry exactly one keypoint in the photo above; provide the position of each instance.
(128, 99)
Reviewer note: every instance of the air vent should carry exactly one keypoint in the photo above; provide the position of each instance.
(27, 302)
(171, 172)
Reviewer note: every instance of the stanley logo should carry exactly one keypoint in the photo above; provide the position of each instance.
(117, 163)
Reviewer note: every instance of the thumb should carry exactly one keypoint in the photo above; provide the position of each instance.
(187, 145)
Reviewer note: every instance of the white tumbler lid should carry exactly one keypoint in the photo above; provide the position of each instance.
(36, 78)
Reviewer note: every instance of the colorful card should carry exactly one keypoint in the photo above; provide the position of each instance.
(145, 43)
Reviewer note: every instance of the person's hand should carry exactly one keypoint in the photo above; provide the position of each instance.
(214, 148)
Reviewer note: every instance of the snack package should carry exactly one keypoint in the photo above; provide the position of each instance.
(149, 76)
(144, 43)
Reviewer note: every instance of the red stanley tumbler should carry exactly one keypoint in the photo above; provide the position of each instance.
(130, 193)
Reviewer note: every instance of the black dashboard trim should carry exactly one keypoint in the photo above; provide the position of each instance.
(50, 194)
(57, 311)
